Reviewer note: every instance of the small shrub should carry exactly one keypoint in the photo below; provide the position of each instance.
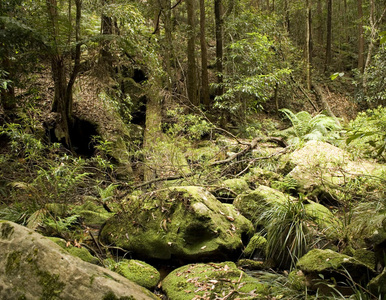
(367, 133)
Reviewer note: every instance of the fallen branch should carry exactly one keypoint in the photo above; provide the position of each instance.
(249, 147)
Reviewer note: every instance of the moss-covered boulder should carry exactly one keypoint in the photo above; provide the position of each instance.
(186, 223)
(256, 247)
(329, 172)
(325, 267)
(82, 252)
(257, 176)
(137, 271)
(326, 222)
(377, 285)
(34, 267)
(212, 281)
(252, 204)
(229, 189)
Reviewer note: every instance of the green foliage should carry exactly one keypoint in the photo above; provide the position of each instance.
(106, 193)
(58, 225)
(4, 82)
(288, 234)
(191, 126)
(59, 181)
(367, 133)
(306, 127)
(256, 73)
(23, 144)
(375, 91)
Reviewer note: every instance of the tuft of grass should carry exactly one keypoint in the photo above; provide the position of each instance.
(288, 233)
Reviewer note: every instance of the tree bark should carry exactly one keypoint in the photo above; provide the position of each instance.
(106, 29)
(308, 43)
(204, 58)
(361, 39)
(192, 69)
(329, 36)
(62, 103)
(167, 13)
(319, 33)
(219, 45)
(287, 17)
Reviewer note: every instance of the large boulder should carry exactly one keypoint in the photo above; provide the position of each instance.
(212, 281)
(34, 267)
(229, 189)
(252, 204)
(328, 171)
(325, 268)
(327, 224)
(186, 223)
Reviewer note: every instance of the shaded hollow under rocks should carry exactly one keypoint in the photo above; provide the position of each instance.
(81, 135)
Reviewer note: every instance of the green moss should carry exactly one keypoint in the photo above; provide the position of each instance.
(230, 188)
(365, 256)
(136, 271)
(13, 261)
(377, 285)
(318, 260)
(111, 296)
(51, 285)
(255, 202)
(251, 264)
(297, 280)
(82, 253)
(257, 244)
(212, 281)
(334, 265)
(323, 218)
(186, 222)
(92, 278)
(6, 230)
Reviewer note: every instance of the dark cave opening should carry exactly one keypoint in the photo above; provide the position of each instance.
(81, 132)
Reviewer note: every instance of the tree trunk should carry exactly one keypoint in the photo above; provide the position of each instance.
(192, 69)
(308, 43)
(329, 36)
(62, 103)
(319, 33)
(361, 39)
(153, 133)
(287, 18)
(219, 45)
(168, 25)
(204, 58)
(106, 29)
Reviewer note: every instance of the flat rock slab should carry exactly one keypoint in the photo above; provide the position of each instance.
(34, 267)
